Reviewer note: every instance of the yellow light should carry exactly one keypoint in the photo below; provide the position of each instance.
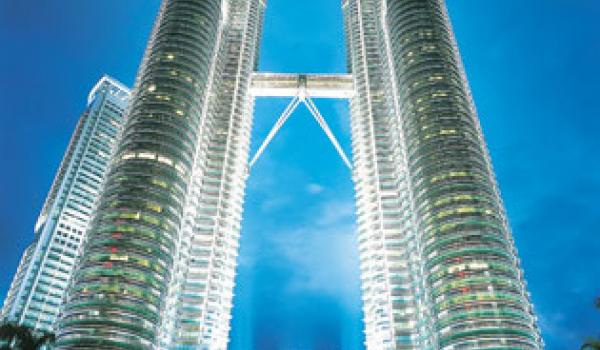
(115, 257)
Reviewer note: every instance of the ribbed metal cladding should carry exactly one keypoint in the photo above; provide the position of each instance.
(201, 299)
(471, 271)
(118, 292)
(390, 273)
(438, 265)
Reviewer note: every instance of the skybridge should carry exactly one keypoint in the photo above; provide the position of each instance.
(302, 88)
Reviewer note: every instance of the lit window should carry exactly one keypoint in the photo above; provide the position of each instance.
(165, 160)
(128, 156)
(155, 207)
(117, 257)
(447, 131)
(146, 155)
(160, 183)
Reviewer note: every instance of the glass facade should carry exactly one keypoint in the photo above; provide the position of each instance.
(38, 288)
(158, 265)
(200, 299)
(438, 264)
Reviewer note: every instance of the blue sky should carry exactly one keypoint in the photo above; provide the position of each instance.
(534, 69)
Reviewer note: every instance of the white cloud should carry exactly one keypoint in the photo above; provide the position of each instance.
(336, 212)
(313, 188)
(324, 256)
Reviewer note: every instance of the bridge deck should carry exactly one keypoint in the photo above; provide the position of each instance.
(310, 85)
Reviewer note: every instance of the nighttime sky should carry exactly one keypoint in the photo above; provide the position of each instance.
(533, 65)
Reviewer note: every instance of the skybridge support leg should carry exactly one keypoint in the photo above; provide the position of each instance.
(282, 119)
(314, 111)
(319, 118)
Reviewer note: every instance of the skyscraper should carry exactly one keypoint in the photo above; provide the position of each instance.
(438, 265)
(159, 263)
(38, 288)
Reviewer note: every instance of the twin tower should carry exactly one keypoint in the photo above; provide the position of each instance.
(438, 264)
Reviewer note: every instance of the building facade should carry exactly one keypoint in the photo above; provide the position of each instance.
(439, 268)
(159, 263)
(38, 288)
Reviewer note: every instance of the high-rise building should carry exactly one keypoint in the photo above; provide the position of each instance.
(199, 304)
(38, 288)
(159, 263)
(438, 263)
(439, 268)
